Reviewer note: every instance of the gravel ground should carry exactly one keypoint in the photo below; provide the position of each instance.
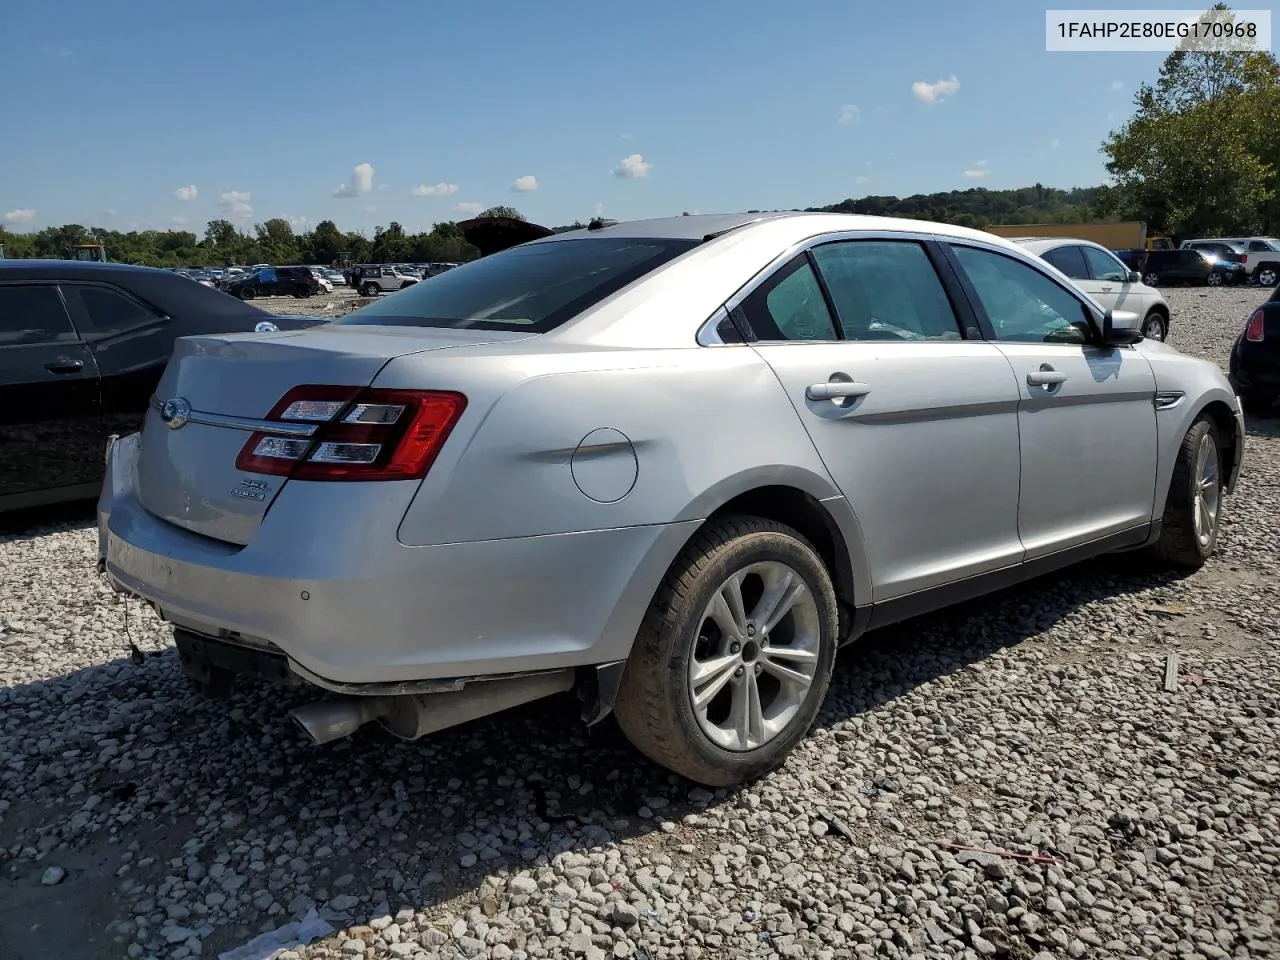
(139, 819)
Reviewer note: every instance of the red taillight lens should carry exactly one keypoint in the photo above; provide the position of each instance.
(1256, 328)
(368, 434)
(1244, 258)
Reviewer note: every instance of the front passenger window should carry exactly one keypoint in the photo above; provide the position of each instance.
(790, 306)
(1023, 305)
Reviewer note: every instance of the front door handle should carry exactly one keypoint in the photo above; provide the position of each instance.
(1046, 376)
(836, 390)
(65, 366)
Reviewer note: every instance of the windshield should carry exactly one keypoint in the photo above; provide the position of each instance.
(534, 287)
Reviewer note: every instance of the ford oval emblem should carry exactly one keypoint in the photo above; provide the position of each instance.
(265, 326)
(175, 413)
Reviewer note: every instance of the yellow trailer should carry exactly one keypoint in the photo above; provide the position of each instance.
(1123, 235)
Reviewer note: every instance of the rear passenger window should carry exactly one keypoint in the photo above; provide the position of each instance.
(109, 311)
(886, 290)
(790, 306)
(1103, 266)
(31, 314)
(1069, 261)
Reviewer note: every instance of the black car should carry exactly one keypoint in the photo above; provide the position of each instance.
(1223, 251)
(275, 282)
(1255, 358)
(82, 347)
(1166, 267)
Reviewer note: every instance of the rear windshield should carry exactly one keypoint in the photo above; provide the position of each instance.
(534, 287)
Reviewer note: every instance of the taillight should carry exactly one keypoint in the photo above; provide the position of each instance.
(361, 434)
(1254, 331)
(1244, 258)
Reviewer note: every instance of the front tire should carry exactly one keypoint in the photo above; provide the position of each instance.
(1214, 279)
(1268, 275)
(247, 293)
(1155, 327)
(1151, 279)
(1194, 506)
(370, 290)
(734, 656)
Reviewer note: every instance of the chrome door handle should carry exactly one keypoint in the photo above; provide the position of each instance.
(836, 390)
(1045, 378)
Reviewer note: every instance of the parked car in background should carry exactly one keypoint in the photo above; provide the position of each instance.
(1261, 258)
(335, 277)
(275, 282)
(82, 347)
(1104, 277)
(680, 460)
(1255, 358)
(323, 281)
(1167, 267)
(374, 279)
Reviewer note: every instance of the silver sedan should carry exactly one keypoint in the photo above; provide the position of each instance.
(670, 464)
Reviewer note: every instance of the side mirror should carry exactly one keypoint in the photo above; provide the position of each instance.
(1135, 276)
(1121, 328)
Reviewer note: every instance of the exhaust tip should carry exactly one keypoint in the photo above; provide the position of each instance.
(329, 720)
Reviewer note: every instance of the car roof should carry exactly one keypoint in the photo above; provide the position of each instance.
(69, 270)
(1039, 245)
(783, 226)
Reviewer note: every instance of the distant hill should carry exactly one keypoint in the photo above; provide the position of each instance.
(979, 207)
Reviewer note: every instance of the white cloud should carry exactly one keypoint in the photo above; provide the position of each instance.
(1054, 143)
(235, 204)
(470, 209)
(21, 215)
(109, 212)
(977, 171)
(633, 167)
(435, 190)
(361, 182)
(861, 179)
(1117, 84)
(935, 92)
(299, 224)
(369, 209)
(179, 221)
(187, 193)
(598, 210)
(848, 113)
(526, 184)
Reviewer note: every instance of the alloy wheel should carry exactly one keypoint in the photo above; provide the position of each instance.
(1208, 490)
(755, 656)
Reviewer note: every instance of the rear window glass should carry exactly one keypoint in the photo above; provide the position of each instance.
(533, 287)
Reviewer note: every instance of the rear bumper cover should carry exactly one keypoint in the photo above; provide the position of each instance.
(394, 614)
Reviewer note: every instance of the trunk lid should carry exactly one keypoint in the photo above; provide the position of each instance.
(227, 384)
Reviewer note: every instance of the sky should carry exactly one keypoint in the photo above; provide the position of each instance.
(142, 114)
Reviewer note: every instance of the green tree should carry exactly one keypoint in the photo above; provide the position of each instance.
(1200, 155)
(325, 243)
(276, 242)
(502, 211)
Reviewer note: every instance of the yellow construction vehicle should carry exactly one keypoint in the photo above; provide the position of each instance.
(90, 252)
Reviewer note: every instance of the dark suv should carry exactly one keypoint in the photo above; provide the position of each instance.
(1165, 267)
(275, 282)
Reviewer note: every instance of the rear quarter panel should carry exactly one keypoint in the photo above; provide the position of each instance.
(674, 433)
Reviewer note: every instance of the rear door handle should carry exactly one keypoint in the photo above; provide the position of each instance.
(65, 366)
(1045, 378)
(836, 390)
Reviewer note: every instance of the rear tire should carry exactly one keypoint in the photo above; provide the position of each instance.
(1268, 275)
(1151, 279)
(302, 292)
(1193, 509)
(1214, 279)
(370, 290)
(247, 293)
(760, 681)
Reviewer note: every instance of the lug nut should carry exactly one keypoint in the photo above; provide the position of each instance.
(738, 672)
(758, 668)
(735, 647)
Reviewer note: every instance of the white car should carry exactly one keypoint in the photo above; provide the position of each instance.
(325, 283)
(1100, 273)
